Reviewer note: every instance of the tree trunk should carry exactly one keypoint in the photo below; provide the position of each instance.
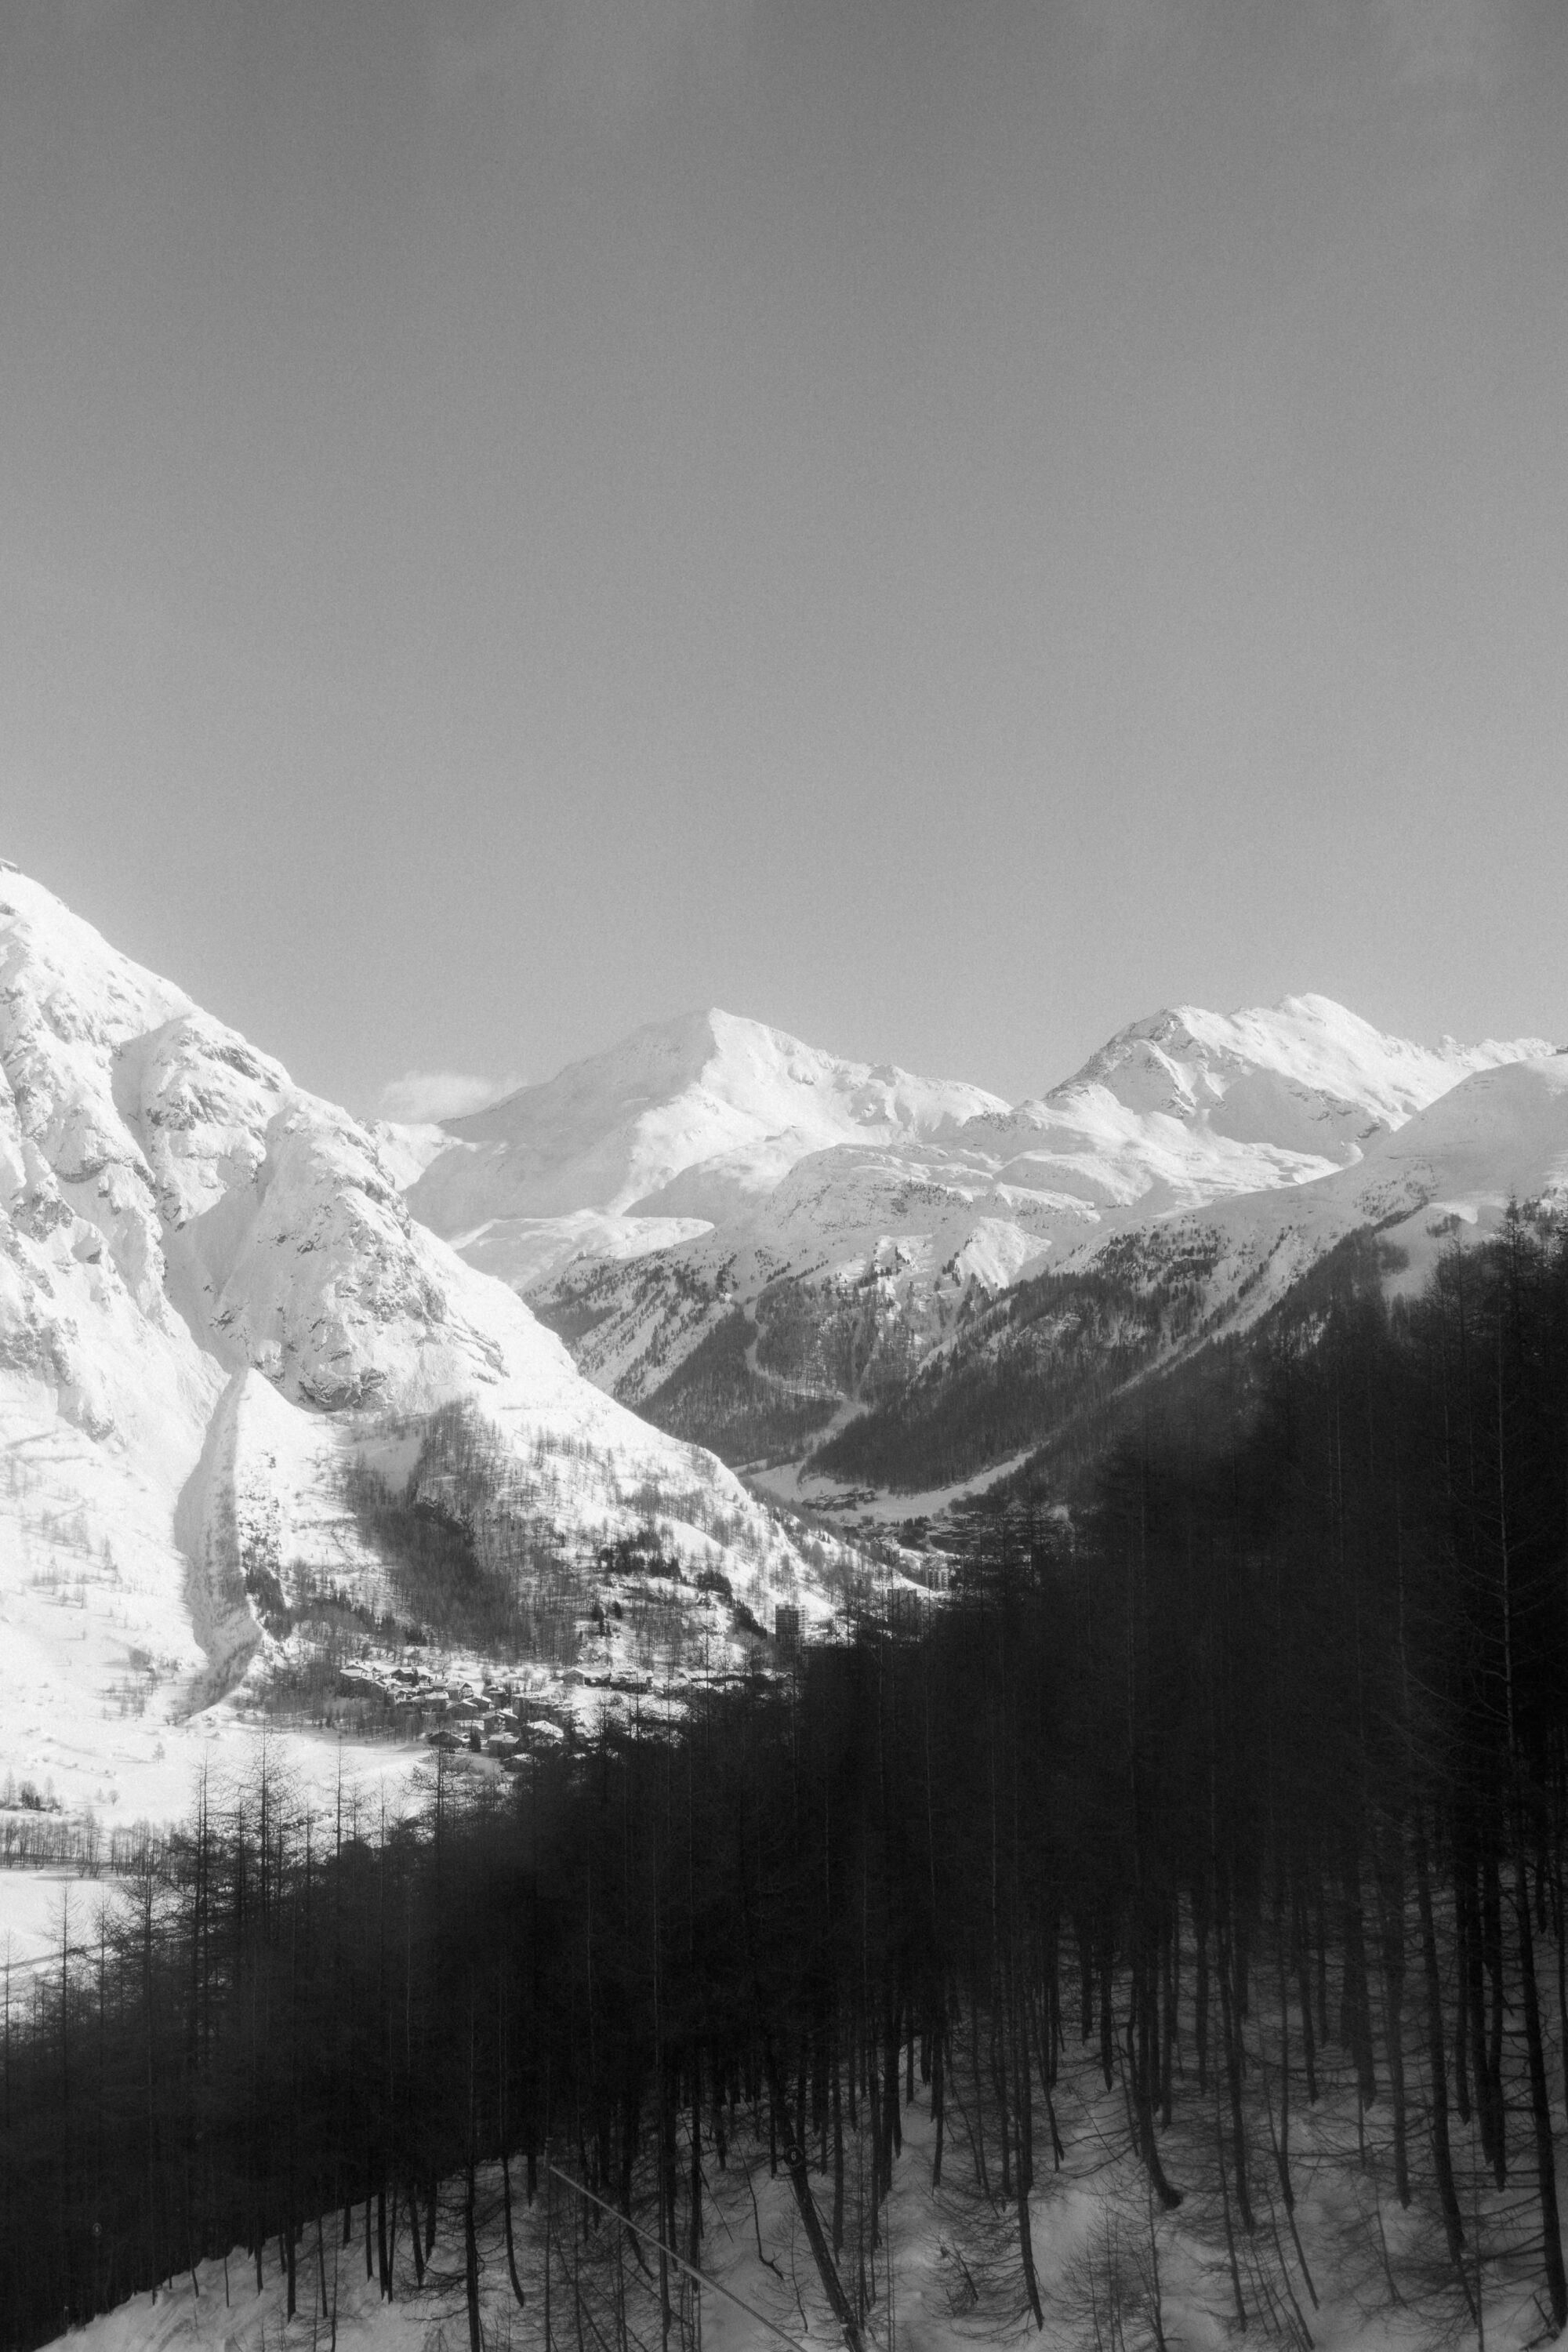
(1391, 1898)
(510, 2248)
(937, 2102)
(1540, 2104)
(839, 2159)
(1023, 2107)
(1437, 2058)
(471, 2261)
(800, 2181)
(1232, 2035)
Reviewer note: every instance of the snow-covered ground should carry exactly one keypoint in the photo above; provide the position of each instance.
(944, 2272)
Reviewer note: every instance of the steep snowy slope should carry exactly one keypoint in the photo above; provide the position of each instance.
(212, 1296)
(887, 1244)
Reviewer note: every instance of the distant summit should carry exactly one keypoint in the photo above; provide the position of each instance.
(1191, 1063)
(696, 1118)
(698, 1123)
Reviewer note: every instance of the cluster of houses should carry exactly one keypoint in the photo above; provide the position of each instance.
(492, 1718)
(505, 1717)
(508, 1717)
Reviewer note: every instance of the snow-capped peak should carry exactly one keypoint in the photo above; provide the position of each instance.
(1179, 1109)
(1187, 1062)
(696, 1117)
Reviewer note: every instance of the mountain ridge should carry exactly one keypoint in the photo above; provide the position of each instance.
(1495, 1141)
(890, 1244)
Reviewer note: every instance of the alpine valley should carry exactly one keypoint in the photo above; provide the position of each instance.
(374, 1427)
(1094, 1749)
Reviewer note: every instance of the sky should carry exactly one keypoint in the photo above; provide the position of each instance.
(944, 525)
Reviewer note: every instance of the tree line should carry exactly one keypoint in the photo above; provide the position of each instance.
(1243, 1796)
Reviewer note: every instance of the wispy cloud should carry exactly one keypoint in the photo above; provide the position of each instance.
(441, 1093)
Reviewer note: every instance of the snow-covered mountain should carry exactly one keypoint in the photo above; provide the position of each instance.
(1500, 1135)
(1122, 1308)
(686, 1124)
(212, 1297)
(885, 1242)
(216, 1295)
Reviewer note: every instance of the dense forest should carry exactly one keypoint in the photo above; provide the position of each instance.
(1238, 1801)
(471, 1556)
(713, 1398)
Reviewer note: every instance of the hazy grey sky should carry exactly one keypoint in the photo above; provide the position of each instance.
(942, 525)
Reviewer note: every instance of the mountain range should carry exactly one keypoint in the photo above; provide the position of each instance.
(760, 1246)
(228, 1308)
(698, 1123)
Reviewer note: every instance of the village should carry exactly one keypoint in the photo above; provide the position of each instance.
(507, 1715)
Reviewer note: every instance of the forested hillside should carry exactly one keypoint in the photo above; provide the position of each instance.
(1247, 1800)
(1052, 1351)
(744, 1415)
